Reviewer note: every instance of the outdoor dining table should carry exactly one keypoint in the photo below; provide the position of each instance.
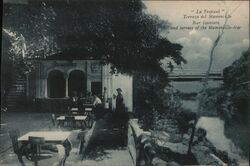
(75, 111)
(87, 105)
(77, 118)
(88, 110)
(51, 137)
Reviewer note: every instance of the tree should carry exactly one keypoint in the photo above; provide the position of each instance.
(117, 32)
(236, 74)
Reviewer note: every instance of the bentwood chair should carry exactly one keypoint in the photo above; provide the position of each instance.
(70, 121)
(19, 151)
(36, 153)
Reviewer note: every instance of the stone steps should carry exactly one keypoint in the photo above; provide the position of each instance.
(16, 93)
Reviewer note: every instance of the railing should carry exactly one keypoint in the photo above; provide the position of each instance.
(140, 147)
(215, 75)
(143, 151)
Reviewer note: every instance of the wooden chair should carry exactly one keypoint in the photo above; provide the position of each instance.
(70, 120)
(19, 151)
(62, 156)
(90, 120)
(81, 137)
(35, 150)
(74, 111)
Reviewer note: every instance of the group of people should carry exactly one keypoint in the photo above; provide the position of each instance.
(101, 106)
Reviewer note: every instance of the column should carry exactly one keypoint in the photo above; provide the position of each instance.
(66, 77)
(43, 85)
(106, 79)
(38, 81)
(88, 76)
(46, 87)
(27, 84)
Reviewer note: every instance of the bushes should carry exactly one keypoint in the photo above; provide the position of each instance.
(230, 102)
(153, 98)
(237, 72)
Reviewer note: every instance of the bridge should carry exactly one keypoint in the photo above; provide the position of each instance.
(194, 75)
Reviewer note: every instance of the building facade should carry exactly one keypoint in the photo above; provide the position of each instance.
(55, 79)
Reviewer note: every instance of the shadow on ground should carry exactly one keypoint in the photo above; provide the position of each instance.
(106, 136)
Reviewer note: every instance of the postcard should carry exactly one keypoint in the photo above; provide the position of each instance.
(124, 83)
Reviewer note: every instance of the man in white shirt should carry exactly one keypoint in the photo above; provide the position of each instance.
(97, 101)
(97, 106)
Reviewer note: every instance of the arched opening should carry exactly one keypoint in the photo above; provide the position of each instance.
(56, 84)
(77, 82)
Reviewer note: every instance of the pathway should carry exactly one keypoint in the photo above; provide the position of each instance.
(107, 147)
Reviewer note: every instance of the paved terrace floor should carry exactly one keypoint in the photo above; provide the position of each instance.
(106, 148)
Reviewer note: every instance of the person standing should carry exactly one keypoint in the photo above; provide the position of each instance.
(74, 103)
(97, 103)
(119, 101)
(121, 115)
(105, 99)
(74, 100)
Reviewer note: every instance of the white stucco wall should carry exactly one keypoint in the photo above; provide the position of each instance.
(111, 82)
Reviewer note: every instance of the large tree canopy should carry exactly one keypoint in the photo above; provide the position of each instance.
(118, 32)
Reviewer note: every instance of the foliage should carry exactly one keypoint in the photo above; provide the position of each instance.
(153, 98)
(25, 35)
(32, 23)
(231, 101)
(231, 104)
(118, 32)
(6, 69)
(237, 72)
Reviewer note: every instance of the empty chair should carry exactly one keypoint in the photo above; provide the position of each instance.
(14, 134)
(18, 150)
(90, 120)
(88, 110)
(35, 150)
(74, 111)
(61, 156)
(70, 121)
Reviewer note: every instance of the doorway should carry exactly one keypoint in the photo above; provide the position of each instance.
(56, 84)
(76, 82)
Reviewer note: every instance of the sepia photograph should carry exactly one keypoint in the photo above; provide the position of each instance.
(125, 83)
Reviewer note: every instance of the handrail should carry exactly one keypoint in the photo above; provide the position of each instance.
(145, 152)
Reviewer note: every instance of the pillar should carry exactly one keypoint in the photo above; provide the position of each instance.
(88, 76)
(66, 77)
(44, 88)
(107, 79)
(27, 84)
